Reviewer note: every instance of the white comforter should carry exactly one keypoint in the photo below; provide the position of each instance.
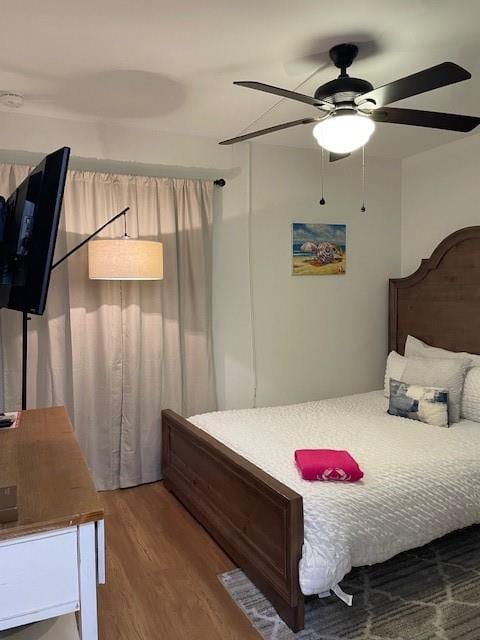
(420, 481)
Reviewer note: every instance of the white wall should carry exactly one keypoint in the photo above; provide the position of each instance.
(105, 145)
(232, 327)
(439, 195)
(316, 336)
(321, 336)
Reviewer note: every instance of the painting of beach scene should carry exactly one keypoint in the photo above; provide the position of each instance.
(318, 249)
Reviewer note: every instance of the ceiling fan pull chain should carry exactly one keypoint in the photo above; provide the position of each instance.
(363, 208)
(322, 199)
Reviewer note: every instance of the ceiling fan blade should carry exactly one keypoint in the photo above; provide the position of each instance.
(431, 119)
(262, 132)
(439, 76)
(285, 93)
(333, 157)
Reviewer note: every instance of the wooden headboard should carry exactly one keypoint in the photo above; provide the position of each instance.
(440, 302)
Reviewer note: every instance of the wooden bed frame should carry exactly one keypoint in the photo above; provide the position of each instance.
(256, 519)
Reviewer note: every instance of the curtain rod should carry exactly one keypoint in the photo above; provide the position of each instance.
(97, 165)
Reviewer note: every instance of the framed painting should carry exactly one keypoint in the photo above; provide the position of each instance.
(318, 249)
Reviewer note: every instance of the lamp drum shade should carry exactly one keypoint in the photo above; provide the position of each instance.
(125, 259)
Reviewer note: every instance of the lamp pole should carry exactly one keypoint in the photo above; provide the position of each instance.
(25, 316)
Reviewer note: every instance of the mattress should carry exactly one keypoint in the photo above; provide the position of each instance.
(420, 481)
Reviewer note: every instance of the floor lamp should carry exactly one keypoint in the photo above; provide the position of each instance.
(110, 259)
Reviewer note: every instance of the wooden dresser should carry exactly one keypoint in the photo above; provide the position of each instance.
(53, 556)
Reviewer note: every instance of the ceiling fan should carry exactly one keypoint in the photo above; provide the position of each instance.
(350, 107)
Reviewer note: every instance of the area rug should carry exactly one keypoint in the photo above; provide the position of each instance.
(431, 593)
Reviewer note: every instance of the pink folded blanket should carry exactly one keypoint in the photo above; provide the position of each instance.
(327, 464)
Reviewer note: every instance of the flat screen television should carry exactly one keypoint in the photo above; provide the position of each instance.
(28, 231)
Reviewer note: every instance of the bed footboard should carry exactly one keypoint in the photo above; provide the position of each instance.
(256, 519)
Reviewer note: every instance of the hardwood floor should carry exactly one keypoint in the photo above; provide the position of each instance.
(162, 571)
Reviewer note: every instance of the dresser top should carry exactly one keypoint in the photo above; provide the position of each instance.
(54, 486)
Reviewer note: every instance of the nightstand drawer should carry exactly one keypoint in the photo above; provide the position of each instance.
(39, 573)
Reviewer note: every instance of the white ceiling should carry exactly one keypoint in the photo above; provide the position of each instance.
(170, 65)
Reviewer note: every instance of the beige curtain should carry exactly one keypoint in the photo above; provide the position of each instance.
(117, 353)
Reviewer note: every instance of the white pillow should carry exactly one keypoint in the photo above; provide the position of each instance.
(395, 367)
(446, 373)
(470, 407)
(471, 395)
(415, 347)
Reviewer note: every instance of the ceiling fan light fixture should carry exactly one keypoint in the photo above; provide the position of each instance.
(344, 132)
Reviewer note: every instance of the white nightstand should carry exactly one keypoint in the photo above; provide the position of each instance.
(53, 556)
